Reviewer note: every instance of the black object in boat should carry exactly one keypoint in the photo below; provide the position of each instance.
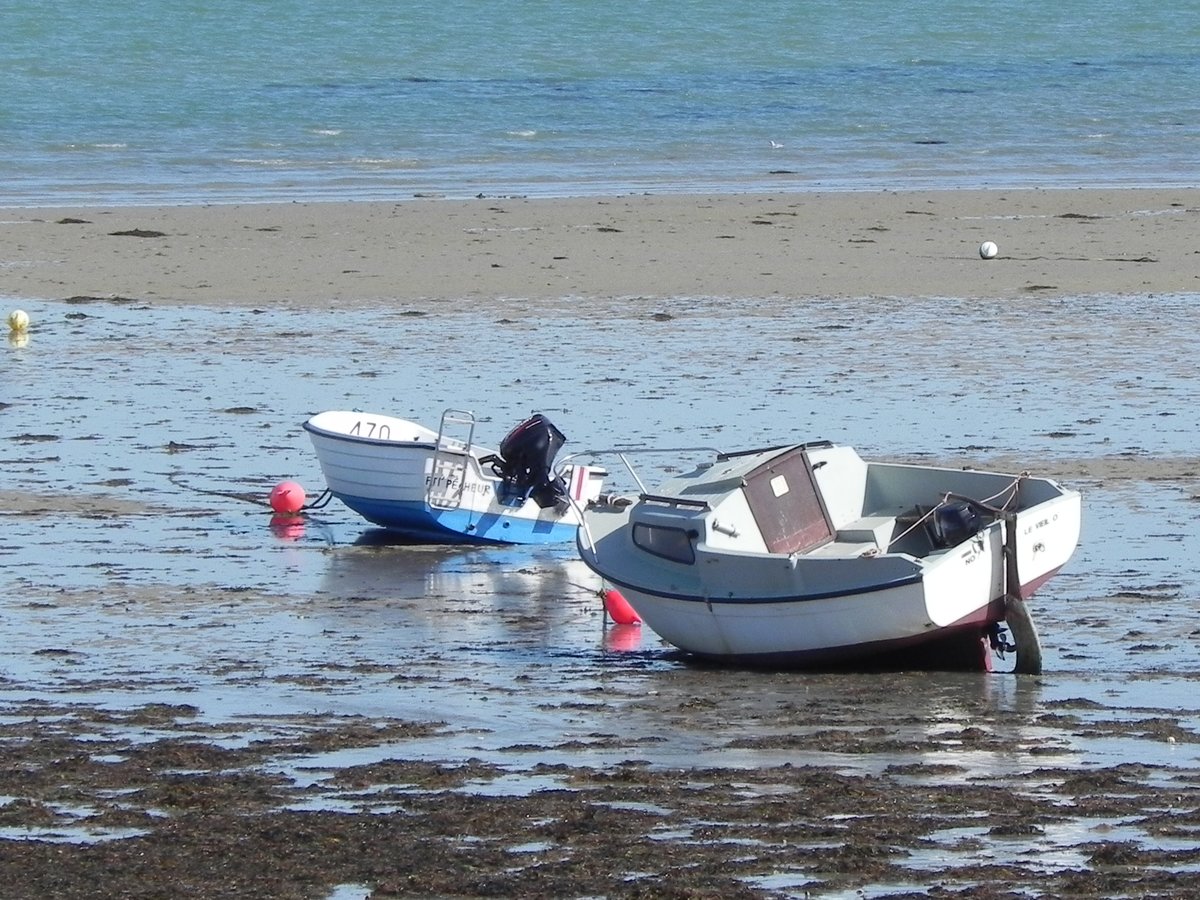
(525, 464)
(954, 522)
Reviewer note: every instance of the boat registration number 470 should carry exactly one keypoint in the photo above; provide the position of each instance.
(366, 428)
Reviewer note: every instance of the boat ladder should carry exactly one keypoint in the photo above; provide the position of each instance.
(448, 468)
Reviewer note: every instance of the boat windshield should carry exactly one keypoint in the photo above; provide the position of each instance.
(670, 543)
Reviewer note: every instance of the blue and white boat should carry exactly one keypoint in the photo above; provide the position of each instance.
(440, 487)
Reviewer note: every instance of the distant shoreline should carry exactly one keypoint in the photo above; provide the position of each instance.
(1056, 242)
(783, 183)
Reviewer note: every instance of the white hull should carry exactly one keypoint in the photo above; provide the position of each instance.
(694, 560)
(430, 487)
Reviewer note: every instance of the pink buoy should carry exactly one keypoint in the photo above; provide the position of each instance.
(287, 497)
(618, 607)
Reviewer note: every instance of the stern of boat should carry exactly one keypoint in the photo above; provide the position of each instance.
(1046, 536)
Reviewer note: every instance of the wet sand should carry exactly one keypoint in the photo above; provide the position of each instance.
(197, 700)
(891, 244)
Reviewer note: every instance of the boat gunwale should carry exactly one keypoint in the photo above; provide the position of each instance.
(386, 442)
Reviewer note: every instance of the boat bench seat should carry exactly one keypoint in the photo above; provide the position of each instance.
(875, 530)
(839, 549)
(864, 536)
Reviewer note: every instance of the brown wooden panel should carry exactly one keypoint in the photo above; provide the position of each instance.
(784, 500)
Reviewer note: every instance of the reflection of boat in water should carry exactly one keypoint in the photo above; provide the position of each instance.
(440, 487)
(381, 565)
(439, 597)
(809, 555)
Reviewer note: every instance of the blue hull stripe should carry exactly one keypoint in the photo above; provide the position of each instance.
(417, 520)
(745, 601)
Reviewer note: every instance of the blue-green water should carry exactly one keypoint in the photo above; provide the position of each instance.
(174, 101)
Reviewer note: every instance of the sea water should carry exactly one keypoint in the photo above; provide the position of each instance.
(143, 101)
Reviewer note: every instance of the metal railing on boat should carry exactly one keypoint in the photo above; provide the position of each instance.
(451, 455)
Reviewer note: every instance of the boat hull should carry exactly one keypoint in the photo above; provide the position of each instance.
(828, 627)
(870, 581)
(821, 632)
(422, 523)
(395, 474)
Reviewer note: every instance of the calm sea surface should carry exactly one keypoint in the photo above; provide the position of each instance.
(131, 101)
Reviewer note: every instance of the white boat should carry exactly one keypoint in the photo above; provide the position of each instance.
(440, 487)
(807, 555)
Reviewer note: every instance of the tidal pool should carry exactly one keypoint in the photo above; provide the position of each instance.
(141, 568)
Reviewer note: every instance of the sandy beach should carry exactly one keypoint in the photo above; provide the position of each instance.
(893, 244)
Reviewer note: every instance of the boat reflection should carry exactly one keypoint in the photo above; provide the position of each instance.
(381, 564)
(448, 595)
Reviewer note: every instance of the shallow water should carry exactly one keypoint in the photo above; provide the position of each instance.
(141, 564)
(140, 443)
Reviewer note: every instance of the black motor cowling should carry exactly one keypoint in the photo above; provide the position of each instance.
(525, 464)
(954, 522)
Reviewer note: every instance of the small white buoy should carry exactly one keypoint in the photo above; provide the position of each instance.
(18, 320)
(988, 250)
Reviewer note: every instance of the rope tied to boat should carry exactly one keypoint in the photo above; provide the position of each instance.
(1014, 487)
(321, 501)
(915, 525)
(987, 504)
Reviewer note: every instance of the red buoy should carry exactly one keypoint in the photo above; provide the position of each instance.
(618, 607)
(287, 497)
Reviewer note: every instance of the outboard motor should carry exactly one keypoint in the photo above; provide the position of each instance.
(525, 464)
(954, 522)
